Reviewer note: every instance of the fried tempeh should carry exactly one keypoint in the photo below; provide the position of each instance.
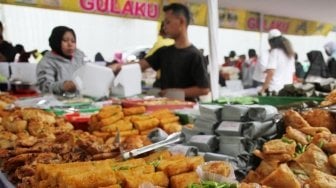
(183, 180)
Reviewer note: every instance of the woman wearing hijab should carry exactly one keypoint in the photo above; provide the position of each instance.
(280, 67)
(318, 68)
(54, 72)
(330, 49)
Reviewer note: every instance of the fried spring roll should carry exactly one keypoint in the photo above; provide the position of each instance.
(172, 127)
(108, 111)
(112, 119)
(127, 133)
(183, 180)
(134, 110)
(146, 124)
(122, 125)
(171, 119)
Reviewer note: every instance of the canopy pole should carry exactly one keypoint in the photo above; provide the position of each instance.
(261, 30)
(213, 22)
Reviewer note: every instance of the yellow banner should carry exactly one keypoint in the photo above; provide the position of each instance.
(143, 9)
(151, 9)
(250, 21)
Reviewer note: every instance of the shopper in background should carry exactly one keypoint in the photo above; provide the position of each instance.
(182, 65)
(330, 49)
(7, 51)
(318, 69)
(248, 69)
(54, 72)
(299, 72)
(280, 67)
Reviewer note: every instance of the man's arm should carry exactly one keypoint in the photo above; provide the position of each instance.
(144, 64)
(269, 76)
(190, 92)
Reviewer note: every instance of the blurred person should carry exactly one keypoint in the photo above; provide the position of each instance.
(182, 65)
(99, 57)
(280, 68)
(317, 69)
(241, 60)
(248, 69)
(231, 61)
(330, 49)
(54, 72)
(7, 51)
(22, 56)
(299, 71)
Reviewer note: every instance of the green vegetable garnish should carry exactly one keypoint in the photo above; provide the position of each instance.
(320, 144)
(309, 138)
(287, 140)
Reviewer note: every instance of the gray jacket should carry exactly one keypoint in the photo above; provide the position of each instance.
(53, 70)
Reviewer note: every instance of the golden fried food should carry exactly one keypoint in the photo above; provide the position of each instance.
(296, 135)
(332, 160)
(134, 110)
(15, 126)
(320, 118)
(330, 99)
(146, 124)
(110, 120)
(320, 179)
(294, 119)
(278, 146)
(135, 141)
(282, 177)
(313, 158)
(172, 127)
(38, 114)
(121, 125)
(108, 111)
(312, 131)
(167, 120)
(159, 155)
(221, 168)
(183, 180)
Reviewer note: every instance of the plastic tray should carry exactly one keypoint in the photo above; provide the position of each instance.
(163, 103)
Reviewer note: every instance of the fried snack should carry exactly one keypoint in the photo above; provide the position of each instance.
(167, 120)
(183, 180)
(159, 155)
(134, 110)
(172, 127)
(329, 99)
(277, 146)
(265, 168)
(193, 162)
(15, 126)
(122, 174)
(110, 120)
(278, 157)
(319, 179)
(127, 133)
(171, 160)
(332, 160)
(38, 114)
(157, 179)
(313, 158)
(218, 167)
(112, 186)
(146, 132)
(281, 177)
(320, 118)
(120, 125)
(146, 124)
(314, 130)
(135, 141)
(108, 111)
(176, 168)
(294, 119)
(138, 117)
(296, 135)
(7, 139)
(162, 113)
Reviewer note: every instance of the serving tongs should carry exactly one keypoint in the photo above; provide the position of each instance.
(170, 139)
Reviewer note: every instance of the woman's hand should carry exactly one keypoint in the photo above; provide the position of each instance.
(69, 86)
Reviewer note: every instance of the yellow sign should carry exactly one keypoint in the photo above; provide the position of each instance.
(145, 9)
(151, 9)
